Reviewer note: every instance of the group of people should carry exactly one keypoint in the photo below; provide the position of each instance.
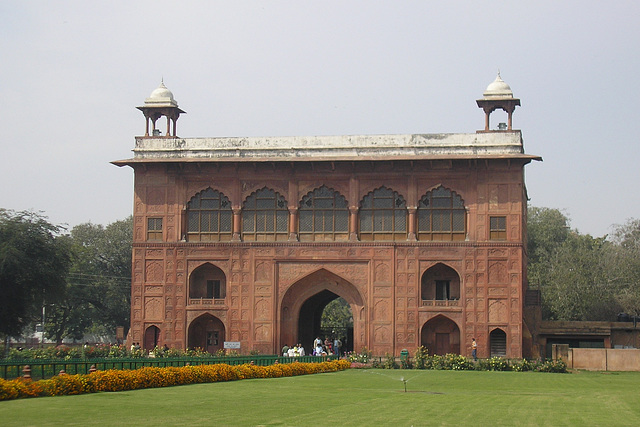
(295, 351)
(327, 348)
(319, 348)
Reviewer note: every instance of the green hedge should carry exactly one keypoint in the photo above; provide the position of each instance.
(455, 362)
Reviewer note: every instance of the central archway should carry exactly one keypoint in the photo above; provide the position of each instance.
(303, 303)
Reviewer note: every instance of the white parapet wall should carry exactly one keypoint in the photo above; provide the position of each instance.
(333, 147)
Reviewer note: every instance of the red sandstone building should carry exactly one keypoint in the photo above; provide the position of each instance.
(248, 239)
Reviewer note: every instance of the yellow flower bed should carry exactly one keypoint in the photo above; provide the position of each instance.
(119, 380)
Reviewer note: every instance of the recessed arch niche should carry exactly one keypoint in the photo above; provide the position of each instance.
(207, 282)
(440, 282)
(441, 336)
(206, 332)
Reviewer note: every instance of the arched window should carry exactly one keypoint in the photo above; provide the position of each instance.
(209, 217)
(441, 216)
(265, 217)
(324, 215)
(207, 282)
(440, 286)
(383, 216)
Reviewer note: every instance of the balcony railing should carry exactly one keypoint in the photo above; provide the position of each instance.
(441, 303)
(206, 302)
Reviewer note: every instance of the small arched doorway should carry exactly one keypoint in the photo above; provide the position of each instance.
(151, 337)
(302, 307)
(441, 336)
(498, 343)
(206, 332)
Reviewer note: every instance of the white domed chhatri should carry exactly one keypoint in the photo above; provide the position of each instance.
(161, 97)
(498, 89)
(160, 103)
(498, 95)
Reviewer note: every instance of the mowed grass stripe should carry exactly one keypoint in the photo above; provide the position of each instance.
(355, 398)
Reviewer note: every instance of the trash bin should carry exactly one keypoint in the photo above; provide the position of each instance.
(404, 355)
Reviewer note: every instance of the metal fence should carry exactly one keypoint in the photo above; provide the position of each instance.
(42, 369)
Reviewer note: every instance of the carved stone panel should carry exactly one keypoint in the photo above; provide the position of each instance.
(381, 310)
(498, 272)
(382, 334)
(263, 272)
(263, 309)
(153, 308)
(262, 332)
(154, 271)
(497, 311)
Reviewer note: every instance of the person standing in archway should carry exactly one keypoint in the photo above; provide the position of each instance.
(327, 345)
(474, 349)
(336, 346)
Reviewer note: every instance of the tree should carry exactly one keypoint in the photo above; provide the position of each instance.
(572, 271)
(625, 265)
(547, 230)
(98, 292)
(579, 286)
(337, 314)
(34, 263)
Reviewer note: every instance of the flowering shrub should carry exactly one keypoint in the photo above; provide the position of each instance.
(493, 364)
(523, 365)
(96, 351)
(557, 366)
(456, 362)
(421, 357)
(363, 357)
(194, 352)
(119, 380)
(359, 365)
(390, 362)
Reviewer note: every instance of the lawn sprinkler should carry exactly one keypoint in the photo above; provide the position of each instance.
(405, 384)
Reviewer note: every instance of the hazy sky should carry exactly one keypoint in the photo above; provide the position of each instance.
(72, 73)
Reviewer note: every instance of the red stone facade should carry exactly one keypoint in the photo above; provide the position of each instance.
(404, 290)
(247, 240)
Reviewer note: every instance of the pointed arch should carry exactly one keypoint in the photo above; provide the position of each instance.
(383, 215)
(207, 282)
(151, 337)
(442, 216)
(323, 215)
(302, 305)
(440, 282)
(441, 335)
(265, 216)
(206, 332)
(498, 343)
(209, 217)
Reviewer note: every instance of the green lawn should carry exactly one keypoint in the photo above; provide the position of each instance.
(354, 398)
